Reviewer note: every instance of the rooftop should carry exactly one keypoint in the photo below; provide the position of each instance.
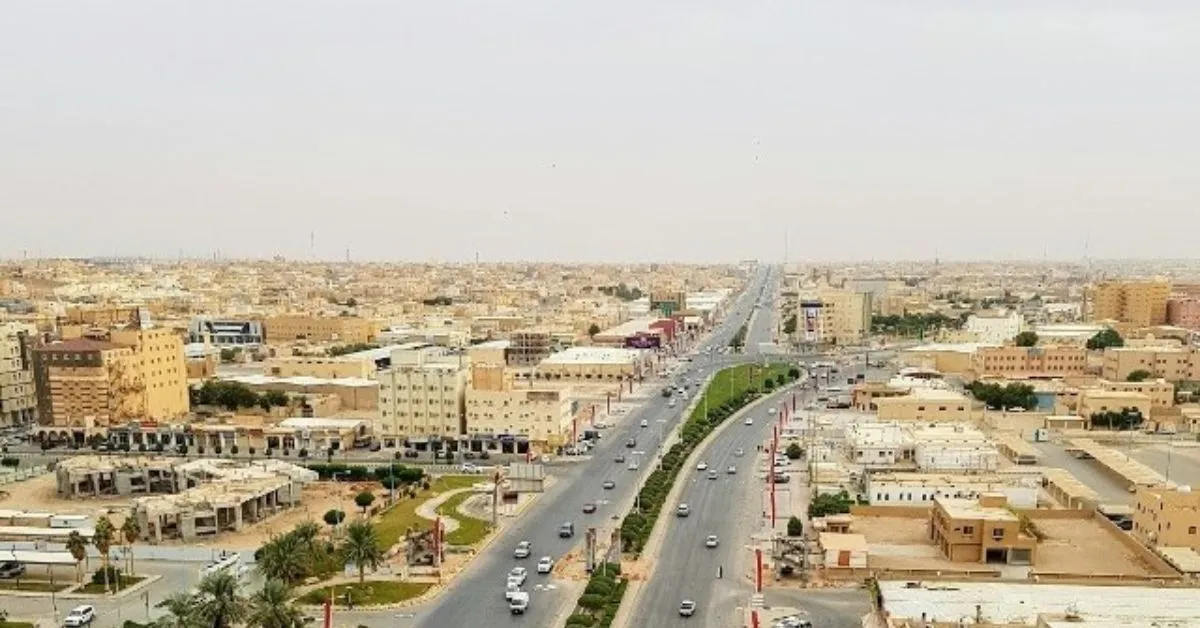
(78, 345)
(319, 423)
(958, 508)
(593, 355)
(300, 380)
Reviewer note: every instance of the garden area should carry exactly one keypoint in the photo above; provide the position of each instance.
(402, 516)
(601, 599)
(470, 530)
(368, 593)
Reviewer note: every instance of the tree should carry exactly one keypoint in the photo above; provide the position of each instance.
(130, 531)
(362, 547)
(77, 546)
(593, 329)
(827, 504)
(270, 608)
(999, 397)
(1026, 339)
(1139, 375)
(102, 538)
(334, 517)
(795, 527)
(789, 326)
(181, 612)
(794, 451)
(284, 558)
(219, 601)
(1104, 339)
(364, 500)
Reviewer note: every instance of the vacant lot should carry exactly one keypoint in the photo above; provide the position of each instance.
(893, 530)
(1082, 546)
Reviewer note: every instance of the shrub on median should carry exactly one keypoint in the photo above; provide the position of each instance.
(601, 598)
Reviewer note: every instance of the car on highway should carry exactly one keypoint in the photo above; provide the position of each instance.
(609, 485)
(518, 603)
(687, 608)
(711, 541)
(619, 459)
(545, 565)
(731, 470)
(518, 575)
(522, 550)
(645, 423)
(682, 510)
(633, 465)
(588, 509)
(772, 410)
(671, 403)
(739, 452)
(712, 474)
(631, 443)
(749, 421)
(703, 466)
(80, 616)
(566, 530)
(512, 588)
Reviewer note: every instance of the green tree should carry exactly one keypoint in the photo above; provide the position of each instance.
(1139, 375)
(361, 547)
(270, 608)
(102, 538)
(593, 329)
(77, 546)
(364, 500)
(795, 527)
(219, 600)
(998, 397)
(1026, 339)
(827, 504)
(793, 451)
(789, 326)
(285, 558)
(334, 517)
(130, 532)
(1104, 339)
(181, 612)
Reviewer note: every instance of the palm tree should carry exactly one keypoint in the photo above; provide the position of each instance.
(102, 538)
(306, 533)
(284, 558)
(362, 547)
(130, 531)
(181, 612)
(219, 602)
(269, 608)
(78, 548)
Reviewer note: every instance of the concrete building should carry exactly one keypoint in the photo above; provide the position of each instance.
(84, 382)
(843, 551)
(1170, 363)
(18, 396)
(1140, 303)
(1184, 312)
(925, 404)
(1076, 334)
(225, 332)
(529, 347)
(995, 328)
(1029, 362)
(159, 364)
(1167, 517)
(595, 364)
(829, 315)
(1020, 487)
(287, 328)
(981, 530)
(421, 396)
(955, 447)
(642, 333)
(107, 476)
(946, 358)
(496, 409)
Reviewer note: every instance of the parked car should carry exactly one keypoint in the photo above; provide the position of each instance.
(11, 569)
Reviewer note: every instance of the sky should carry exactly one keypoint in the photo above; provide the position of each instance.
(562, 130)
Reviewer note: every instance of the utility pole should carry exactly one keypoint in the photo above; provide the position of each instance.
(495, 496)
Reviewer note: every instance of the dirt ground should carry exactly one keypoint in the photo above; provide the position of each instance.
(41, 494)
(893, 530)
(1078, 546)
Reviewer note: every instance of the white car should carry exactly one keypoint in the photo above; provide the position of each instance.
(80, 616)
(772, 410)
(687, 608)
(711, 541)
(545, 565)
(522, 550)
(633, 465)
(518, 575)
(739, 452)
(749, 421)
(731, 470)
(645, 423)
(703, 466)
(467, 467)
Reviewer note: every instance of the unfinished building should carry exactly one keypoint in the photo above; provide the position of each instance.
(105, 476)
(220, 496)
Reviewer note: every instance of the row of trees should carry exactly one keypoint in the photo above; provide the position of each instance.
(1001, 397)
(913, 324)
(1125, 419)
(351, 348)
(601, 598)
(218, 602)
(302, 553)
(234, 395)
(104, 537)
(391, 476)
(622, 291)
(827, 504)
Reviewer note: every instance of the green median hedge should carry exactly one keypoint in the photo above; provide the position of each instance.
(598, 605)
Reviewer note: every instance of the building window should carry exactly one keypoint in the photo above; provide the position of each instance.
(968, 530)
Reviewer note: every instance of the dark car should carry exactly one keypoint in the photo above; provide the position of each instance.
(412, 453)
(566, 530)
(589, 508)
(619, 459)
(631, 443)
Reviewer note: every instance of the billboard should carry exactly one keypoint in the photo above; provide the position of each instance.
(810, 315)
(643, 341)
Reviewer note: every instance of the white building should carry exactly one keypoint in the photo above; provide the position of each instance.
(996, 328)
(421, 396)
(918, 489)
(881, 445)
(953, 447)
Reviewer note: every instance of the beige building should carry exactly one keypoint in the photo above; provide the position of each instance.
(84, 382)
(951, 359)
(1141, 303)
(1167, 517)
(1029, 362)
(18, 399)
(980, 531)
(495, 407)
(925, 404)
(595, 364)
(1170, 363)
(287, 328)
(1096, 401)
(843, 317)
(159, 363)
(342, 367)
(421, 396)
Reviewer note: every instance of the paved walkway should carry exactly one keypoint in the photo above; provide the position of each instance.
(428, 509)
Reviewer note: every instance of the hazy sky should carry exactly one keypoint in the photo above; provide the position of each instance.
(621, 130)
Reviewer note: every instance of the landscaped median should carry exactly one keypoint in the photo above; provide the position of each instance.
(729, 391)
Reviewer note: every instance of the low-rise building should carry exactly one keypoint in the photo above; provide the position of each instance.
(981, 530)
(1029, 362)
(498, 410)
(288, 328)
(1167, 517)
(925, 404)
(594, 363)
(951, 359)
(1094, 401)
(421, 397)
(225, 332)
(1170, 363)
(1020, 487)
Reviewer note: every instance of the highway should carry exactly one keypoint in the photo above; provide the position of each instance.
(476, 597)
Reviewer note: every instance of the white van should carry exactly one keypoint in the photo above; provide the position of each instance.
(518, 602)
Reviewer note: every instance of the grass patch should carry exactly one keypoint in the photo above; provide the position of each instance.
(15, 624)
(395, 521)
(369, 593)
(96, 589)
(470, 530)
(34, 586)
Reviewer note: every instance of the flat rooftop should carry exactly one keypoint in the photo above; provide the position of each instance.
(300, 380)
(593, 355)
(972, 509)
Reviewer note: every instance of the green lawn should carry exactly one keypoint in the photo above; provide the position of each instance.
(470, 530)
(95, 589)
(34, 586)
(392, 524)
(15, 624)
(369, 593)
(734, 381)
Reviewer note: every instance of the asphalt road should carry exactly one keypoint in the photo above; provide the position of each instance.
(476, 598)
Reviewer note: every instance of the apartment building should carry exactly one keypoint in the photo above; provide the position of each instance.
(1184, 312)
(287, 328)
(995, 327)
(101, 316)
(1167, 517)
(18, 399)
(421, 396)
(834, 316)
(528, 347)
(496, 409)
(981, 530)
(1029, 362)
(1170, 363)
(1141, 303)
(158, 361)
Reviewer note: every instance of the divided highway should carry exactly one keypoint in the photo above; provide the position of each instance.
(476, 598)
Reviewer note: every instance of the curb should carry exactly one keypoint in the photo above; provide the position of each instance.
(633, 593)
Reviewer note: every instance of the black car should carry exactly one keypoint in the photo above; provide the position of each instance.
(589, 508)
(631, 443)
(619, 459)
